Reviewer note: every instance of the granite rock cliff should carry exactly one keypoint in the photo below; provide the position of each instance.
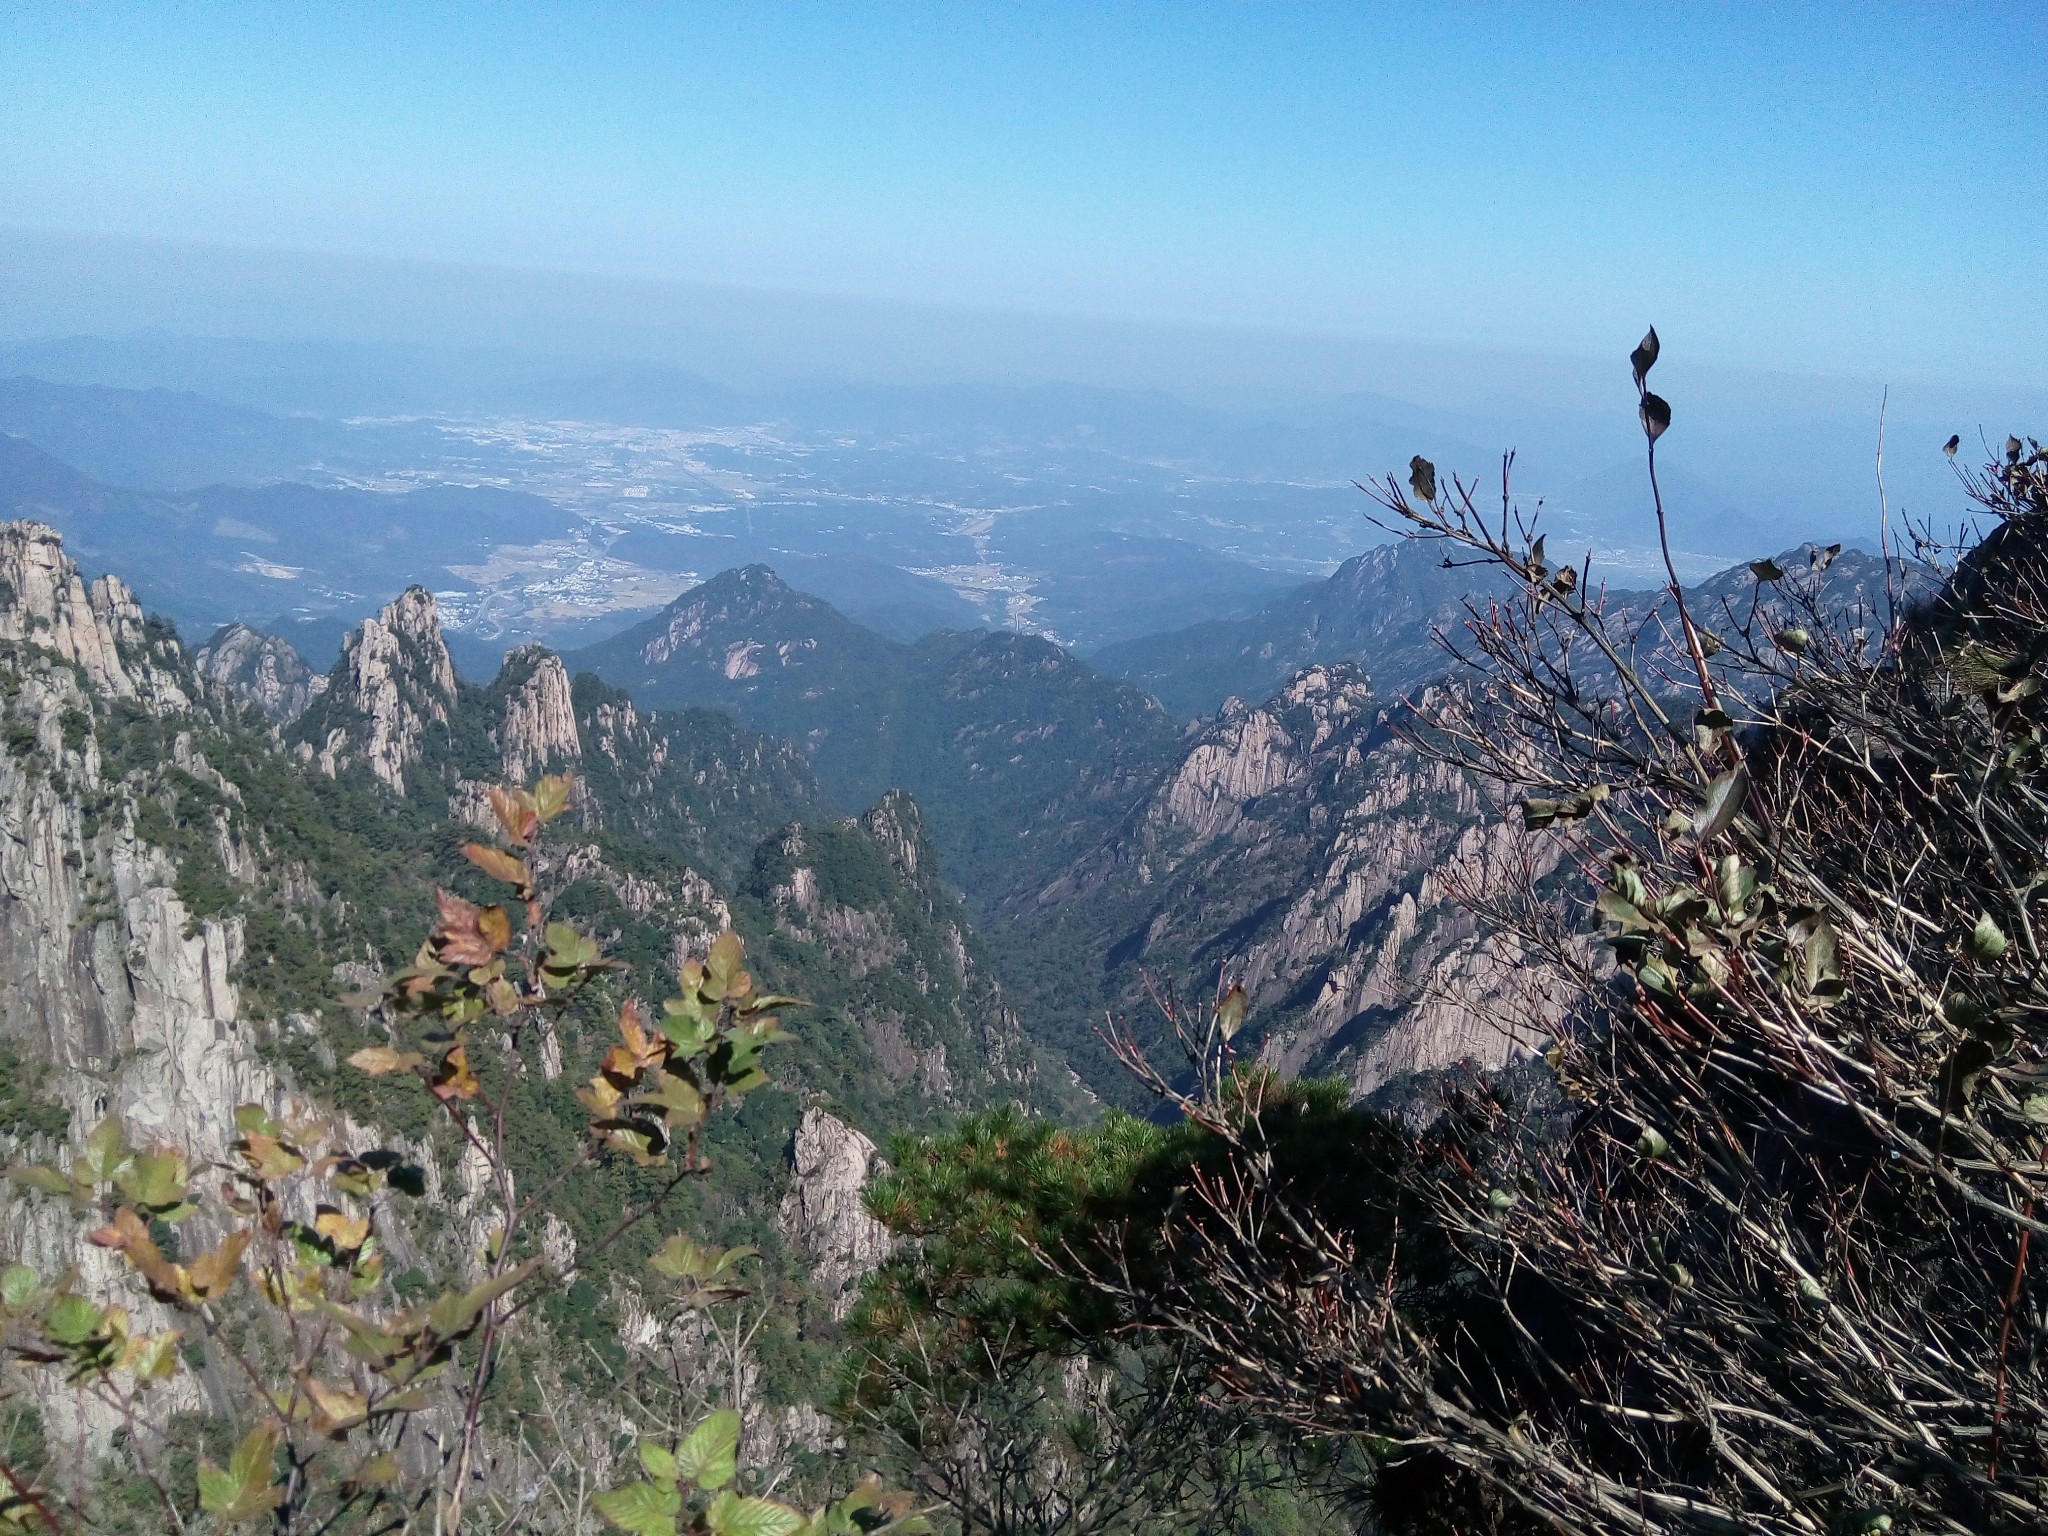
(394, 683)
(240, 665)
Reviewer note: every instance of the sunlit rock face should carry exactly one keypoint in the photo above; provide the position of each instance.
(98, 626)
(395, 680)
(1307, 848)
(240, 665)
(822, 1215)
(539, 726)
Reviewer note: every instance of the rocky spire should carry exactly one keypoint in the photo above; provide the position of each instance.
(539, 726)
(822, 1215)
(394, 679)
(897, 824)
(99, 627)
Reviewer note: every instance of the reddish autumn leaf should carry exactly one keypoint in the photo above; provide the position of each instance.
(458, 940)
(516, 814)
(453, 1079)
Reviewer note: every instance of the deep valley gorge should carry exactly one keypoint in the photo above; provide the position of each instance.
(996, 890)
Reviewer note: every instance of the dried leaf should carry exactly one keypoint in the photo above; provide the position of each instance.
(499, 865)
(1230, 1012)
(380, 1059)
(1656, 414)
(347, 1233)
(515, 812)
(551, 795)
(1726, 797)
(457, 940)
(211, 1275)
(453, 1079)
(1644, 358)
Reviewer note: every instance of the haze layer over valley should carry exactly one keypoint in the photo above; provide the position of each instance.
(1094, 516)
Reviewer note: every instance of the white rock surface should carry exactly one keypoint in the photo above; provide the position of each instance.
(830, 1165)
(395, 680)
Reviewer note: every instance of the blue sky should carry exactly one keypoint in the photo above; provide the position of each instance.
(1831, 189)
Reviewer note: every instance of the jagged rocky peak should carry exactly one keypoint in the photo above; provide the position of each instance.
(1247, 753)
(395, 677)
(823, 1216)
(240, 665)
(539, 725)
(898, 826)
(45, 601)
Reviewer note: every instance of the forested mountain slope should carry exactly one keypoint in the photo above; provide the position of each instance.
(190, 894)
(1019, 753)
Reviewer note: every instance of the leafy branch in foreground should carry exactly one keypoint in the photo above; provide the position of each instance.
(356, 1410)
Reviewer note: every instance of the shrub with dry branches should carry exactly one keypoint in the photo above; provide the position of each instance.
(1760, 1256)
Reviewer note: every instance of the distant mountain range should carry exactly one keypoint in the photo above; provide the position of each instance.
(219, 553)
(1382, 611)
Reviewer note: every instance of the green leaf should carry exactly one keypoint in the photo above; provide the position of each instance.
(681, 1105)
(1726, 797)
(51, 1182)
(1792, 640)
(217, 1489)
(687, 1024)
(1734, 884)
(660, 1463)
(1987, 939)
(103, 1157)
(1651, 1145)
(1618, 909)
(250, 1465)
(642, 1508)
(724, 961)
(456, 1312)
(733, 1514)
(72, 1320)
(155, 1180)
(18, 1286)
(681, 1259)
(709, 1456)
(255, 1120)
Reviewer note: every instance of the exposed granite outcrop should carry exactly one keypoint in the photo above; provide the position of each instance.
(1308, 849)
(98, 626)
(394, 682)
(823, 1215)
(240, 665)
(538, 730)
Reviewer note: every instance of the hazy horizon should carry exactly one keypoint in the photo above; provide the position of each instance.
(1000, 300)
